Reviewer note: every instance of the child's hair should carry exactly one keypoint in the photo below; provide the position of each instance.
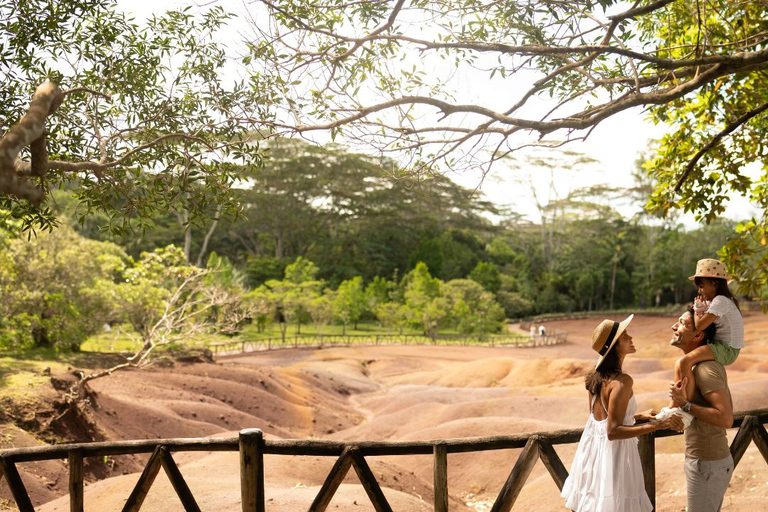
(609, 368)
(721, 288)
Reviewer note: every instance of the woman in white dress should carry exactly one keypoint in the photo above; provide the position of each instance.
(606, 474)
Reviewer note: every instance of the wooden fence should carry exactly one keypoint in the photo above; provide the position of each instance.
(337, 340)
(252, 447)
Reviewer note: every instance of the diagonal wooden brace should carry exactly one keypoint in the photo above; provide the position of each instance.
(147, 478)
(332, 482)
(518, 476)
(369, 482)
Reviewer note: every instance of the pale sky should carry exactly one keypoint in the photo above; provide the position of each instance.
(616, 143)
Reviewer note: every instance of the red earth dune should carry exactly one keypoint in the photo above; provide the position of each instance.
(397, 393)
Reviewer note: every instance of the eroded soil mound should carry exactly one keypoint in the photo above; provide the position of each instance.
(395, 393)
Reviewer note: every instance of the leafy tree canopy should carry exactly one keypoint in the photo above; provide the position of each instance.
(132, 116)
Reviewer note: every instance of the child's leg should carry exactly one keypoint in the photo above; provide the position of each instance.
(684, 366)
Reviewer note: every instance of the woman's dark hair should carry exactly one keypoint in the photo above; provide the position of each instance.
(721, 288)
(609, 368)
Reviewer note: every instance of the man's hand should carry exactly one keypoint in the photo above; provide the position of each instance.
(672, 422)
(678, 393)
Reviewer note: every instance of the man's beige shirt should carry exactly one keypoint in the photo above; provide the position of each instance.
(703, 440)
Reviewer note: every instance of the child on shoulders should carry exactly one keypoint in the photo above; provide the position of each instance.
(714, 304)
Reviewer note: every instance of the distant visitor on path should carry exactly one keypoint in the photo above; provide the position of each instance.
(542, 331)
(708, 461)
(606, 474)
(714, 305)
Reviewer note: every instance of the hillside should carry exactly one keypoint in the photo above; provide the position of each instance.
(391, 393)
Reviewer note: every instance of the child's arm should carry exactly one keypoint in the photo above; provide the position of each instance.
(702, 323)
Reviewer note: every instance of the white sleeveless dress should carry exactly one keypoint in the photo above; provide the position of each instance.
(606, 476)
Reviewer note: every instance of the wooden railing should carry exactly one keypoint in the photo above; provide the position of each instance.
(338, 340)
(252, 447)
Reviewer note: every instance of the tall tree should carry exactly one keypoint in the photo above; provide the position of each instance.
(133, 117)
(698, 66)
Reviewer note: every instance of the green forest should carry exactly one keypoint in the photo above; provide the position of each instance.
(325, 237)
(154, 171)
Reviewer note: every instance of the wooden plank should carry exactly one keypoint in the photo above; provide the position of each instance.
(371, 486)
(332, 482)
(178, 482)
(552, 462)
(517, 476)
(19, 492)
(646, 446)
(441, 478)
(252, 470)
(147, 478)
(76, 499)
(760, 437)
(741, 441)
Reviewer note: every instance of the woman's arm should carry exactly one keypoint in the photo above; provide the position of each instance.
(620, 391)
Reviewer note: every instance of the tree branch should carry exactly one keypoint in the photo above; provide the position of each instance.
(716, 139)
(30, 128)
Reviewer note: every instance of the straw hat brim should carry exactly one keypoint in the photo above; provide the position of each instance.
(727, 277)
(622, 327)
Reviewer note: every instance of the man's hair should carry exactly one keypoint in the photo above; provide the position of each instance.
(709, 332)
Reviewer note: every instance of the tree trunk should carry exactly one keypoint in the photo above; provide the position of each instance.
(279, 244)
(613, 280)
(208, 237)
(40, 337)
(183, 218)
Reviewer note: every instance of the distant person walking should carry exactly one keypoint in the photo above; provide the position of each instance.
(714, 305)
(542, 331)
(606, 474)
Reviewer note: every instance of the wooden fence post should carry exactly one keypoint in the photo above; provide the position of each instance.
(76, 502)
(440, 451)
(252, 469)
(647, 448)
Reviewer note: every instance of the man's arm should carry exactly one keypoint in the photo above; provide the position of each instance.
(719, 412)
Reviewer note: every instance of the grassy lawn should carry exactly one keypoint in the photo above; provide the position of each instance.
(122, 339)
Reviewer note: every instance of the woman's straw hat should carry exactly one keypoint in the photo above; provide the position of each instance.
(606, 335)
(712, 268)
